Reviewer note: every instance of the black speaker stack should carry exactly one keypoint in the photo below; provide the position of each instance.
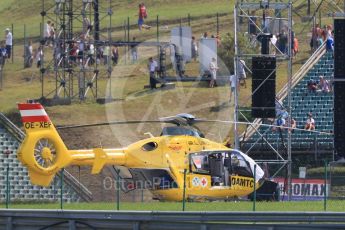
(339, 87)
(263, 87)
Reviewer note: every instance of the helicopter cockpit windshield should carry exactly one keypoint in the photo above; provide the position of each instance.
(220, 165)
(179, 130)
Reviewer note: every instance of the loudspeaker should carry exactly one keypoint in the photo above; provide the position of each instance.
(339, 49)
(339, 118)
(263, 87)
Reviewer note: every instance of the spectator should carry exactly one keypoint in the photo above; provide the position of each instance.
(205, 35)
(99, 54)
(242, 73)
(141, 15)
(293, 126)
(194, 48)
(324, 85)
(284, 114)
(38, 56)
(233, 84)
(73, 53)
(3, 53)
(81, 49)
(134, 51)
(152, 66)
(316, 30)
(330, 43)
(323, 35)
(310, 124)
(28, 55)
(282, 42)
(329, 30)
(115, 55)
(58, 47)
(312, 86)
(319, 41)
(273, 44)
(106, 54)
(52, 32)
(46, 32)
(90, 54)
(9, 39)
(213, 67)
(280, 122)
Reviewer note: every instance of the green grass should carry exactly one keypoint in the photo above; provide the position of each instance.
(338, 206)
(22, 12)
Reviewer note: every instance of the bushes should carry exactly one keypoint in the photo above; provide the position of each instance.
(227, 49)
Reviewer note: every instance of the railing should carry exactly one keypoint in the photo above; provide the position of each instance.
(314, 58)
(12, 128)
(67, 219)
(82, 191)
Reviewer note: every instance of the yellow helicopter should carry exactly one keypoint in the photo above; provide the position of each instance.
(179, 157)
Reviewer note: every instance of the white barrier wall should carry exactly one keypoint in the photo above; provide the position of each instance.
(182, 38)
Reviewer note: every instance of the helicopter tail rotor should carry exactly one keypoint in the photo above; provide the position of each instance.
(42, 151)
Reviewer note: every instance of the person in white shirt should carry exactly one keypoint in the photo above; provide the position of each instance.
(47, 32)
(213, 70)
(8, 39)
(232, 85)
(273, 44)
(242, 73)
(310, 124)
(152, 66)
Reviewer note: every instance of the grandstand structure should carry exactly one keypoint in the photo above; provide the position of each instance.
(247, 15)
(77, 27)
(272, 145)
(303, 101)
(15, 184)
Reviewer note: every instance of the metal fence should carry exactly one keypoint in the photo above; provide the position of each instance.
(49, 219)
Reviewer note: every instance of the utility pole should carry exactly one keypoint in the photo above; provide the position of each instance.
(308, 8)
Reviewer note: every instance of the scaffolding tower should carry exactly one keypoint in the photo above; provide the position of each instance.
(75, 45)
(275, 17)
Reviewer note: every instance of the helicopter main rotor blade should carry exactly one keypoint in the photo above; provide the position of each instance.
(264, 125)
(180, 121)
(107, 123)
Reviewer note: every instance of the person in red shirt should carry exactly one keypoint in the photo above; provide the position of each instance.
(142, 15)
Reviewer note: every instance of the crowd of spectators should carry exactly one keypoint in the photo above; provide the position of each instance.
(321, 35)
